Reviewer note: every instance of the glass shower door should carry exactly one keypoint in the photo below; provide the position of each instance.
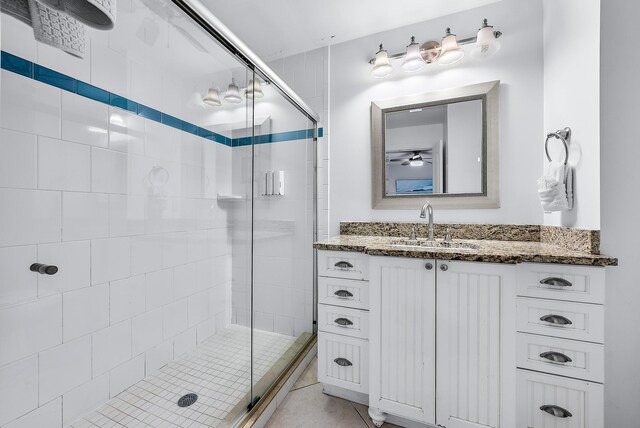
(283, 234)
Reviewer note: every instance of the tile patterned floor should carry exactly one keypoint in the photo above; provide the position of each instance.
(306, 406)
(217, 370)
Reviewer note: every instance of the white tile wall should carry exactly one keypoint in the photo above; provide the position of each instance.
(29, 216)
(17, 159)
(18, 388)
(84, 311)
(127, 298)
(64, 367)
(16, 281)
(84, 121)
(84, 398)
(31, 327)
(48, 415)
(85, 216)
(111, 347)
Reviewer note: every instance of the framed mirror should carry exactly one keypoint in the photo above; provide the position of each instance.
(439, 146)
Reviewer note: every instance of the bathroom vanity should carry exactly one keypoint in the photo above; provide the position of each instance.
(476, 333)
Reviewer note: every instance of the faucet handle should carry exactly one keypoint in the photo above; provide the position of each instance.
(412, 236)
(447, 237)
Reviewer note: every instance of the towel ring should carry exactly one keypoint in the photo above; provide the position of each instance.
(564, 135)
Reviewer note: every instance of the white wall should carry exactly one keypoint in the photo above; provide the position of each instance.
(519, 65)
(619, 154)
(572, 98)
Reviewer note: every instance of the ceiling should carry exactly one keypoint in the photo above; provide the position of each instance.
(278, 28)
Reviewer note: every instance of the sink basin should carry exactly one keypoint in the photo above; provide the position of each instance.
(435, 245)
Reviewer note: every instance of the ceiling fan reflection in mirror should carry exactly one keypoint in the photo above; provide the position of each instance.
(413, 158)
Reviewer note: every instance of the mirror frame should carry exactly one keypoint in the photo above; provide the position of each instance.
(489, 93)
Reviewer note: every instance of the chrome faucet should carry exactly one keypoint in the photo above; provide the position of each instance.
(423, 214)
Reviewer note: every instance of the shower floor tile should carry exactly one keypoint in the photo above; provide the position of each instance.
(217, 370)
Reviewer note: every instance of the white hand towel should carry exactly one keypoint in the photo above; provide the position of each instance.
(552, 189)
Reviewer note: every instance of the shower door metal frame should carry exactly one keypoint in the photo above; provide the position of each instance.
(212, 25)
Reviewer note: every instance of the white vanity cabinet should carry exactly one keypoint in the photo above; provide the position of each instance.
(475, 344)
(463, 344)
(403, 338)
(442, 342)
(560, 346)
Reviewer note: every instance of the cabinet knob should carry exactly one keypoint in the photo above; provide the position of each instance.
(343, 362)
(44, 269)
(444, 267)
(556, 411)
(428, 266)
(556, 319)
(556, 357)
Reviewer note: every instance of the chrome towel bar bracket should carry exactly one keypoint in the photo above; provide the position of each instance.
(563, 135)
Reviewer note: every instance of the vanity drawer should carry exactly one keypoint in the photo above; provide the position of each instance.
(536, 392)
(561, 282)
(343, 264)
(578, 321)
(343, 361)
(343, 292)
(582, 360)
(345, 321)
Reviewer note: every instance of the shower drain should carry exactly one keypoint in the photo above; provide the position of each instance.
(187, 400)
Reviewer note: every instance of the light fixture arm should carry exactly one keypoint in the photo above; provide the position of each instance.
(467, 41)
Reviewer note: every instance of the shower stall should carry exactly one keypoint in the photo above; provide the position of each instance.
(157, 210)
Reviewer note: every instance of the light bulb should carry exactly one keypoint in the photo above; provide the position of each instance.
(451, 52)
(233, 93)
(212, 98)
(413, 61)
(486, 44)
(382, 66)
(254, 89)
(416, 162)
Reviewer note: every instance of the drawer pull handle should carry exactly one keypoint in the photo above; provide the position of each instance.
(556, 357)
(343, 265)
(343, 362)
(560, 282)
(556, 411)
(343, 322)
(556, 319)
(343, 294)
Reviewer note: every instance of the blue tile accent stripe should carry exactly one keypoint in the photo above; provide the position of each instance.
(26, 68)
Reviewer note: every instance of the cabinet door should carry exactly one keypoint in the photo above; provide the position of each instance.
(475, 344)
(402, 337)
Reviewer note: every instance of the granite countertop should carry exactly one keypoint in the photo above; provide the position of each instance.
(485, 251)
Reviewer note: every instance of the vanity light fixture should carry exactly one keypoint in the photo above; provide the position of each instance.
(450, 52)
(254, 89)
(213, 97)
(382, 66)
(413, 61)
(232, 95)
(487, 41)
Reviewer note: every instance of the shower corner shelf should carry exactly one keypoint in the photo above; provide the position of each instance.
(230, 198)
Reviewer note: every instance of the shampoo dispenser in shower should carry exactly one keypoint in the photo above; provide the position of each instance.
(273, 183)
